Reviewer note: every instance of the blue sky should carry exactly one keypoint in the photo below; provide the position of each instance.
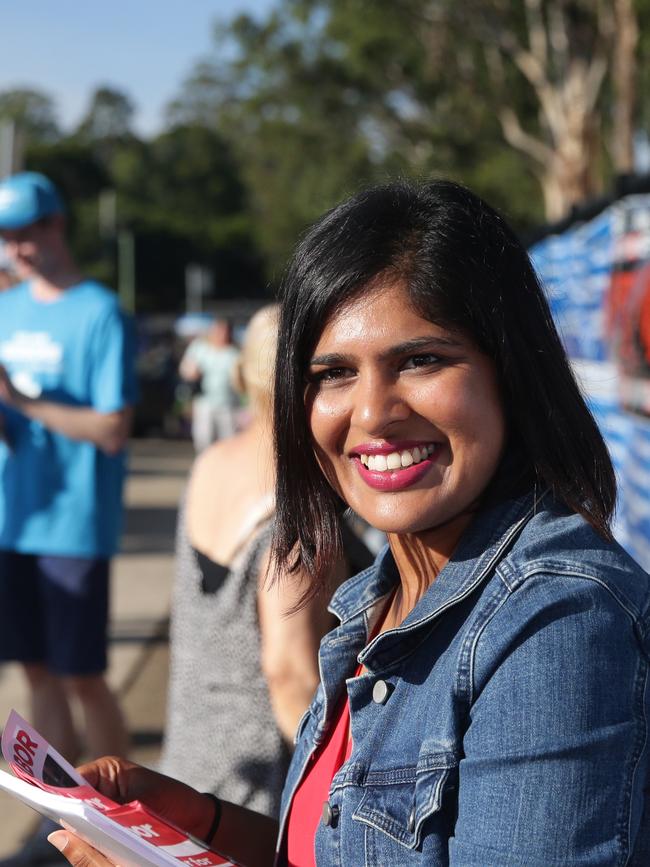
(66, 48)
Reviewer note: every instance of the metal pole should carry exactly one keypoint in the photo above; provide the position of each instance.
(193, 288)
(7, 147)
(107, 213)
(126, 269)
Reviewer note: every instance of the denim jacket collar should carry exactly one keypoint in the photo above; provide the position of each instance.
(481, 547)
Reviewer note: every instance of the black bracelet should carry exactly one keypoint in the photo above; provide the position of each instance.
(217, 817)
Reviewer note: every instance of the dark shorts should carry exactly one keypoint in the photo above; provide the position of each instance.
(54, 610)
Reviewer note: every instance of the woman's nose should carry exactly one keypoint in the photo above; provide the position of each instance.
(377, 405)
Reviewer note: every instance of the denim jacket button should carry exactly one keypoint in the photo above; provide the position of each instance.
(330, 812)
(380, 692)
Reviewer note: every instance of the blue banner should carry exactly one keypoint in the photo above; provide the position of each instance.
(598, 285)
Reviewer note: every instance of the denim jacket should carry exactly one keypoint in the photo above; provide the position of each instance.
(505, 721)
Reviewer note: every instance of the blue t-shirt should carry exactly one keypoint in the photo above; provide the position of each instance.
(58, 495)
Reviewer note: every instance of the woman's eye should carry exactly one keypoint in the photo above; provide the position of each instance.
(427, 359)
(330, 374)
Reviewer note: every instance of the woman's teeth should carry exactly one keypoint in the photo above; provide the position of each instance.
(397, 460)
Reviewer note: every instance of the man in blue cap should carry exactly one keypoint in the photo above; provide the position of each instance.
(66, 391)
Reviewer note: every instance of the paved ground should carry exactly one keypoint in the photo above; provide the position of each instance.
(140, 609)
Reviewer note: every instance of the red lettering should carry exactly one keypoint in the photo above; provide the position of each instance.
(24, 751)
(23, 738)
(27, 768)
(22, 754)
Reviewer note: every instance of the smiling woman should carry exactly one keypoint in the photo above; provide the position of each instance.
(491, 664)
(440, 284)
(484, 700)
(411, 411)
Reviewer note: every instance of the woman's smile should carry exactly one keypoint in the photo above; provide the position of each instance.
(405, 415)
(394, 466)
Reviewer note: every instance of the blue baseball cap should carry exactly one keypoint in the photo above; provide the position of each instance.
(26, 198)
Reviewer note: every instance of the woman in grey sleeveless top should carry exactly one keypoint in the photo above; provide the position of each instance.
(242, 672)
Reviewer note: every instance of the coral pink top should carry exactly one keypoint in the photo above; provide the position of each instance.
(307, 804)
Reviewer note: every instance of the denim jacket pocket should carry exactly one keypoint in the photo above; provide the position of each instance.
(399, 802)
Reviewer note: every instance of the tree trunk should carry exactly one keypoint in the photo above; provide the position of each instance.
(568, 178)
(565, 65)
(624, 86)
(566, 155)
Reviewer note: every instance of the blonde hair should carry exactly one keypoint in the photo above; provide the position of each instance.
(254, 372)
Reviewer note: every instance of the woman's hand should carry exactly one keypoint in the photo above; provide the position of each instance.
(76, 851)
(245, 836)
(124, 781)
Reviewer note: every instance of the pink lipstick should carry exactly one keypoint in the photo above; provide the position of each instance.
(396, 479)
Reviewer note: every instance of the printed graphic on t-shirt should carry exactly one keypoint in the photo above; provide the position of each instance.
(29, 357)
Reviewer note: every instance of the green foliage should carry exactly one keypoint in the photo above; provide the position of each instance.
(33, 113)
(325, 96)
(109, 116)
(180, 194)
(72, 166)
(185, 185)
(290, 113)
(106, 125)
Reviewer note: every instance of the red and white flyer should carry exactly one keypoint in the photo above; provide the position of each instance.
(130, 834)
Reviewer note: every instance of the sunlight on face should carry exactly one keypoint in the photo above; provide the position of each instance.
(406, 416)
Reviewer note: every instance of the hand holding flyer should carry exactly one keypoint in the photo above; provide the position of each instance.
(129, 834)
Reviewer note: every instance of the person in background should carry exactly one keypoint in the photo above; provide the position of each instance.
(67, 387)
(7, 279)
(208, 363)
(237, 645)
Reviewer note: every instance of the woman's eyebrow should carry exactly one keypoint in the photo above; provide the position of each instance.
(329, 359)
(416, 344)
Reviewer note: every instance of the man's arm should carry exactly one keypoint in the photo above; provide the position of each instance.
(107, 430)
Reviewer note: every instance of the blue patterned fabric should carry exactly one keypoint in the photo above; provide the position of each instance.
(577, 269)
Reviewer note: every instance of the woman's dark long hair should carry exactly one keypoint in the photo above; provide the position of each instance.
(465, 270)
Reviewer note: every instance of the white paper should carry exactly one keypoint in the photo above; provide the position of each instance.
(130, 835)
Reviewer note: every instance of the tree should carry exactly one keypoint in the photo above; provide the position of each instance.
(624, 85)
(548, 70)
(109, 116)
(182, 196)
(287, 111)
(106, 126)
(323, 97)
(433, 86)
(33, 113)
(564, 52)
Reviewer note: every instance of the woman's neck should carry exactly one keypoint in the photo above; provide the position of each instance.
(419, 558)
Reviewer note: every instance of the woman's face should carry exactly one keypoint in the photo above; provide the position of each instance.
(405, 416)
